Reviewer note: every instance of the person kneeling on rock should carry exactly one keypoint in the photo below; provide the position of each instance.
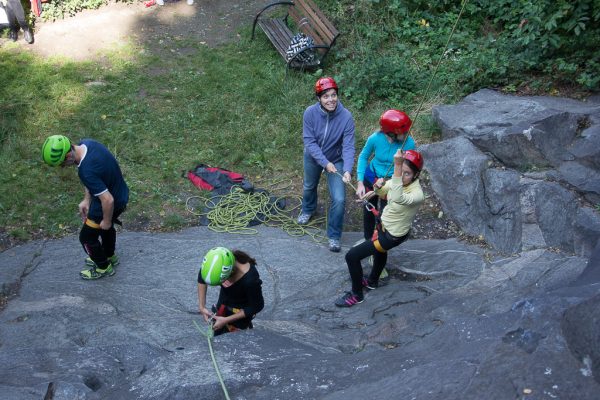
(405, 196)
(240, 298)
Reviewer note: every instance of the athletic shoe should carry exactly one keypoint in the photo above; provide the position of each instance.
(349, 299)
(97, 273)
(114, 260)
(368, 284)
(303, 218)
(28, 35)
(334, 245)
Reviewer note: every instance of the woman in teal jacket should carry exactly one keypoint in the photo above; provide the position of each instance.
(376, 160)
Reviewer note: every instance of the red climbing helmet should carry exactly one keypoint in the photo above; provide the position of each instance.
(324, 84)
(394, 121)
(414, 157)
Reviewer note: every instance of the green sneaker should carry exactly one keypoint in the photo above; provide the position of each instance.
(97, 273)
(114, 260)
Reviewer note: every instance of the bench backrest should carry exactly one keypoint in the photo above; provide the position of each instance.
(310, 20)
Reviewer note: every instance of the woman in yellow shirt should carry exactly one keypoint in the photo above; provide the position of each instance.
(405, 196)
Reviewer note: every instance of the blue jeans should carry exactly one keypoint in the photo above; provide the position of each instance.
(337, 192)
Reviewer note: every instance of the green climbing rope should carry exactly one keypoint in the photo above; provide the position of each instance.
(233, 212)
(464, 3)
(209, 334)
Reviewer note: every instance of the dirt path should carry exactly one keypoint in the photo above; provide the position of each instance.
(85, 35)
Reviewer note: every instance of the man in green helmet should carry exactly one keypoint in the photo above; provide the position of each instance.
(106, 196)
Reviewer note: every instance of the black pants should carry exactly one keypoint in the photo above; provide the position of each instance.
(98, 243)
(369, 221)
(384, 242)
(16, 15)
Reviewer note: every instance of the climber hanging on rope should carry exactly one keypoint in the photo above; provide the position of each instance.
(375, 162)
(377, 156)
(405, 196)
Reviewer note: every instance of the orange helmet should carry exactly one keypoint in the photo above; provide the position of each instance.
(394, 121)
(414, 157)
(324, 84)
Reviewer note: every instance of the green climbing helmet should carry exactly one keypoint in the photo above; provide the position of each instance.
(55, 149)
(217, 266)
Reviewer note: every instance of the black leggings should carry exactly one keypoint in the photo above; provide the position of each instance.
(99, 251)
(384, 242)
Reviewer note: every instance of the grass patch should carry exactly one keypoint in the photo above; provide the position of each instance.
(160, 111)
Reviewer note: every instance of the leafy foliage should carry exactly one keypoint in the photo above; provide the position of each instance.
(58, 9)
(389, 48)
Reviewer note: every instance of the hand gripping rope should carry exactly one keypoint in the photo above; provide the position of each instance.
(368, 205)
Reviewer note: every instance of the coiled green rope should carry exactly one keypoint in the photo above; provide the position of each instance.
(233, 212)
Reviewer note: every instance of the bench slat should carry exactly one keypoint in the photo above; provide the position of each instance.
(312, 11)
(278, 33)
(309, 20)
(308, 28)
(282, 33)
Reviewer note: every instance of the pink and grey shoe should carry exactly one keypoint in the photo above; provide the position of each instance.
(349, 299)
(367, 284)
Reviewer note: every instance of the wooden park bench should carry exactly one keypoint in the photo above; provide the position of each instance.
(274, 20)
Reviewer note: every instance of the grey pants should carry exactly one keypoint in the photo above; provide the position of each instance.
(16, 15)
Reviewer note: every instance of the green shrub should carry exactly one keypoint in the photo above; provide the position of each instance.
(389, 48)
(59, 9)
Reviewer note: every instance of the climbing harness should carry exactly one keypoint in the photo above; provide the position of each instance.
(367, 204)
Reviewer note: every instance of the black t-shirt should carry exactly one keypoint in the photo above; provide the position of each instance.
(245, 293)
(99, 172)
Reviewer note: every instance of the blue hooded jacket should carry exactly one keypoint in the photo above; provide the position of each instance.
(329, 137)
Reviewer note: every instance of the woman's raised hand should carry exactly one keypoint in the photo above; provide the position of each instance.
(399, 157)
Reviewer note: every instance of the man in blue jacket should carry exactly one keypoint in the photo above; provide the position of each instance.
(106, 196)
(328, 132)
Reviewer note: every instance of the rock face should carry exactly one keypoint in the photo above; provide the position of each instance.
(455, 322)
(581, 323)
(524, 172)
